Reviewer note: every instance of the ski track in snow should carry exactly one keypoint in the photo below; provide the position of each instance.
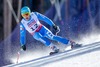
(86, 60)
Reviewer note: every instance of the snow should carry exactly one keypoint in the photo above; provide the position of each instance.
(27, 56)
(86, 60)
(90, 38)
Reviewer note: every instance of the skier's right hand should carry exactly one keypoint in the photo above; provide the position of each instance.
(23, 47)
(56, 27)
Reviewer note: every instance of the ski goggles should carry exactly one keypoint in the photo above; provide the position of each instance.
(25, 14)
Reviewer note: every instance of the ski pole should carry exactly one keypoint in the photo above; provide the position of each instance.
(18, 55)
(58, 31)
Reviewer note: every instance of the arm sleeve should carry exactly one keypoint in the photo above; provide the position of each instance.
(22, 35)
(44, 18)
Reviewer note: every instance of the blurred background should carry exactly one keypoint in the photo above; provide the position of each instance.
(76, 18)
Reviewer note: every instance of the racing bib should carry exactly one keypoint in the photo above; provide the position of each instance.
(31, 25)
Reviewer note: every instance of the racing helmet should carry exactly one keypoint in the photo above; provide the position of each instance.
(25, 10)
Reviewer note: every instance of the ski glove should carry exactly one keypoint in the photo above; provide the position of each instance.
(56, 27)
(23, 47)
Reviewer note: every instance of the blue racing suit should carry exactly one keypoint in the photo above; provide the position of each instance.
(37, 30)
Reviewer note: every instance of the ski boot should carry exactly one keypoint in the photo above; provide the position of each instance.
(55, 50)
(75, 45)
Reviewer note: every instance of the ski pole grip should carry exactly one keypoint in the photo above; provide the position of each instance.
(58, 30)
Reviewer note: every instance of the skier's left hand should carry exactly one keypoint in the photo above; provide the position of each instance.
(23, 47)
(56, 27)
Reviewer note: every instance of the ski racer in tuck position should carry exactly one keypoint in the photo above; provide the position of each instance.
(31, 23)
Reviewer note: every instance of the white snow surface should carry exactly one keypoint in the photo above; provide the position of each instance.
(86, 60)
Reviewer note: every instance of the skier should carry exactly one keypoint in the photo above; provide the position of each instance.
(31, 23)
